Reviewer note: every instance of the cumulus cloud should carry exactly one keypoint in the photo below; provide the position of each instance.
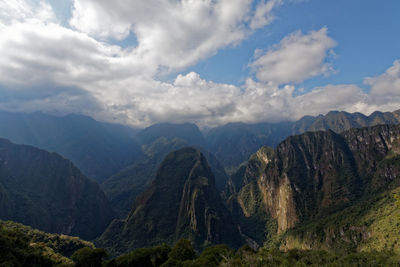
(386, 85)
(171, 34)
(49, 67)
(385, 88)
(321, 100)
(296, 58)
(34, 11)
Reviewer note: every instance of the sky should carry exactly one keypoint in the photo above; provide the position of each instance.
(208, 62)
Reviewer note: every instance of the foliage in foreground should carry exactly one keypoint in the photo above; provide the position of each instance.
(63, 244)
(17, 249)
(181, 255)
(297, 257)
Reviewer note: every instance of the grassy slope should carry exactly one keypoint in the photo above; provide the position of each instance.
(371, 224)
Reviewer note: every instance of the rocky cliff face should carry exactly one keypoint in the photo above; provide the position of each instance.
(181, 203)
(236, 142)
(310, 172)
(246, 200)
(46, 191)
(315, 172)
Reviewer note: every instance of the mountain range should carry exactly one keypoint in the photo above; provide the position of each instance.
(328, 182)
(100, 149)
(234, 143)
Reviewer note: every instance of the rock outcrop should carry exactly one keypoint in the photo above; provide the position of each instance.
(315, 172)
(182, 202)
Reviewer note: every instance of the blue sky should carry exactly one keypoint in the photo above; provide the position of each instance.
(367, 33)
(204, 61)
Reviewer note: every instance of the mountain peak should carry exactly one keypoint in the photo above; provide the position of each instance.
(182, 202)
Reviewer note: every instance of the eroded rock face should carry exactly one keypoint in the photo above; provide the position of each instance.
(312, 172)
(182, 202)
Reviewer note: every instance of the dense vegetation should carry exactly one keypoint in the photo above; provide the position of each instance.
(63, 244)
(23, 246)
(20, 246)
(369, 224)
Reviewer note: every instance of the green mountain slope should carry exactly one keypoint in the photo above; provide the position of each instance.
(182, 202)
(368, 225)
(48, 192)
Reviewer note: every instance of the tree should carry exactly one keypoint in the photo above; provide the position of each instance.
(182, 251)
(89, 257)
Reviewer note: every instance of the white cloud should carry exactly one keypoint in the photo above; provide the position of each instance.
(38, 53)
(171, 34)
(321, 100)
(296, 58)
(12, 11)
(263, 13)
(52, 68)
(385, 89)
(388, 84)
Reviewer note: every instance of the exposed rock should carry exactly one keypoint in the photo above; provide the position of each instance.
(181, 203)
(313, 173)
(234, 143)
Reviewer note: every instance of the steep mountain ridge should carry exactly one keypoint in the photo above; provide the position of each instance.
(315, 172)
(234, 143)
(48, 192)
(123, 187)
(182, 202)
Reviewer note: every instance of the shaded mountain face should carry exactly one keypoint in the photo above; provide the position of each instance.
(236, 142)
(48, 192)
(156, 142)
(182, 202)
(188, 132)
(97, 149)
(124, 187)
(313, 174)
